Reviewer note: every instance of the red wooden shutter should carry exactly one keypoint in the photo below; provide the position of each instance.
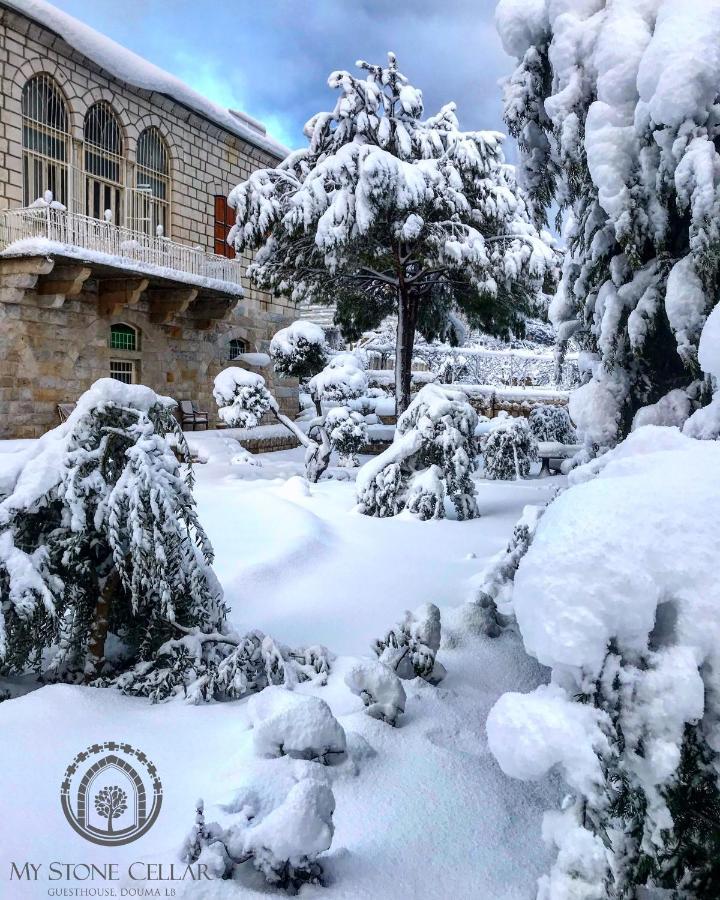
(224, 221)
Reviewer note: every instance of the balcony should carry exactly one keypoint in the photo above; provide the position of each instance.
(53, 231)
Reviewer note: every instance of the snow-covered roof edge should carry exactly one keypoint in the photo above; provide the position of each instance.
(127, 66)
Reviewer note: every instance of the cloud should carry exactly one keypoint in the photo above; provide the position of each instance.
(272, 58)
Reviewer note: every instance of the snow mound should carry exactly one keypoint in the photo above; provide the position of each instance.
(379, 688)
(290, 724)
(593, 573)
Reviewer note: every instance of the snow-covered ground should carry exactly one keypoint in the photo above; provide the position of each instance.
(422, 809)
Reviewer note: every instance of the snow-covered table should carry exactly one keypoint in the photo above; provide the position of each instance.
(548, 450)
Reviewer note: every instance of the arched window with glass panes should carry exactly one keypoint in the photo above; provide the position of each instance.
(124, 344)
(238, 346)
(45, 140)
(151, 196)
(104, 164)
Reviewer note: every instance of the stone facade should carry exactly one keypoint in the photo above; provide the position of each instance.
(55, 343)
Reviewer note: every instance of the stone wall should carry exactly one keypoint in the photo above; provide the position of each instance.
(54, 346)
(50, 355)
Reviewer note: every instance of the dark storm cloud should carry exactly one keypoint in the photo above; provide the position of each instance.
(271, 58)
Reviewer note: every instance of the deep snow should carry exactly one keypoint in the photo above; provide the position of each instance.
(428, 812)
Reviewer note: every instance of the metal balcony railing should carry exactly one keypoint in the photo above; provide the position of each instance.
(125, 247)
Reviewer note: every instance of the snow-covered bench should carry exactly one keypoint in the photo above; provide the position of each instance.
(551, 455)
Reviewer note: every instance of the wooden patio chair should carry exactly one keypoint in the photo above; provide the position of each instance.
(190, 415)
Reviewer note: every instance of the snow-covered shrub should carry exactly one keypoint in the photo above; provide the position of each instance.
(99, 535)
(379, 688)
(348, 434)
(242, 397)
(286, 723)
(614, 106)
(629, 623)
(343, 379)
(300, 350)
(552, 423)
(436, 430)
(409, 648)
(282, 842)
(509, 449)
(203, 666)
(386, 211)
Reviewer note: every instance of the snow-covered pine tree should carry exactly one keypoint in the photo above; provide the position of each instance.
(348, 434)
(410, 647)
(509, 449)
(300, 350)
(432, 457)
(615, 108)
(385, 211)
(99, 534)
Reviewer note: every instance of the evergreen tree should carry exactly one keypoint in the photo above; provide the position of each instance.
(385, 211)
(99, 534)
(614, 106)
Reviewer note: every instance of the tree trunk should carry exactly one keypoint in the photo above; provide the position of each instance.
(99, 629)
(407, 320)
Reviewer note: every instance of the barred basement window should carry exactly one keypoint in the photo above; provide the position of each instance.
(123, 370)
(238, 346)
(123, 337)
(45, 140)
(151, 197)
(104, 163)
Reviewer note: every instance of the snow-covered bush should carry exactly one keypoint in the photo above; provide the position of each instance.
(348, 434)
(432, 457)
(300, 350)
(409, 648)
(509, 449)
(614, 106)
(552, 423)
(379, 688)
(99, 535)
(242, 397)
(281, 840)
(286, 723)
(343, 379)
(203, 666)
(386, 211)
(629, 623)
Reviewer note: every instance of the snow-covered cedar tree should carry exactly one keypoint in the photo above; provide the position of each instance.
(552, 423)
(509, 449)
(287, 723)
(432, 458)
(452, 368)
(409, 648)
(282, 840)
(630, 714)
(379, 688)
(99, 535)
(299, 351)
(385, 211)
(615, 108)
(348, 434)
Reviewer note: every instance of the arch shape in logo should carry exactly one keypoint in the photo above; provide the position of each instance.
(111, 794)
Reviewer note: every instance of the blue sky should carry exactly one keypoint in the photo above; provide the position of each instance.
(271, 58)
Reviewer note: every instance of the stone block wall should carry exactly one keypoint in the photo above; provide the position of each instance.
(50, 355)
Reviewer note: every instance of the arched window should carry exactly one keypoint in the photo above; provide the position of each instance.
(104, 163)
(45, 140)
(123, 337)
(126, 340)
(152, 184)
(238, 346)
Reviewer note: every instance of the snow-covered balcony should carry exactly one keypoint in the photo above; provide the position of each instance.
(51, 230)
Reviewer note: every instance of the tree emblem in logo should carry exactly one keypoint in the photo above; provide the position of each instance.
(111, 794)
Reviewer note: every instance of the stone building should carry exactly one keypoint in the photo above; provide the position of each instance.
(113, 223)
